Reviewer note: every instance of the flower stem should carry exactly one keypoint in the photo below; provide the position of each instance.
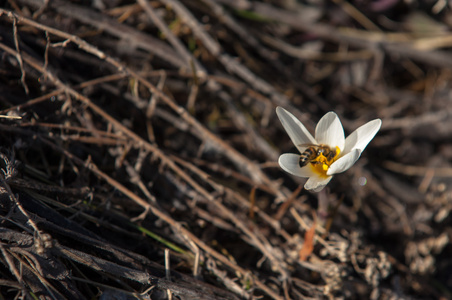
(322, 209)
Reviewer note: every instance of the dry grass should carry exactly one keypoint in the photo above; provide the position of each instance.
(140, 145)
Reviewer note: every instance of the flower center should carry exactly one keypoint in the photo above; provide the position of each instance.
(323, 161)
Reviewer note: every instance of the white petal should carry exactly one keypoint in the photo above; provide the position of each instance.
(362, 136)
(295, 129)
(316, 184)
(290, 163)
(329, 131)
(344, 163)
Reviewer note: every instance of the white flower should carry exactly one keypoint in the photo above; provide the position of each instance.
(328, 132)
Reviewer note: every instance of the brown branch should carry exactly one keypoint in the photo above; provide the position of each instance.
(219, 145)
(157, 152)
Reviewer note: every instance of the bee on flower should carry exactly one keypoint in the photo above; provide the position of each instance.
(327, 154)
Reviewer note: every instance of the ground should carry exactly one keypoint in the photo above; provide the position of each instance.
(140, 144)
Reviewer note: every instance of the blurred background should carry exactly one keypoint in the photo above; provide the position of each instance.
(139, 147)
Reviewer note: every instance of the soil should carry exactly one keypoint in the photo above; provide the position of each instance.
(140, 144)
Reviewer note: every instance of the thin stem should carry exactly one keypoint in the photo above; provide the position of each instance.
(322, 210)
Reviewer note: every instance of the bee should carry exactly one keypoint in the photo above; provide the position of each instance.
(313, 151)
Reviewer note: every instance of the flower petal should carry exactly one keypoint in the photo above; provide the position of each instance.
(290, 163)
(344, 163)
(316, 183)
(329, 131)
(362, 136)
(295, 129)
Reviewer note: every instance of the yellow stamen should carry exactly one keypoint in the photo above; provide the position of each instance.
(321, 163)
